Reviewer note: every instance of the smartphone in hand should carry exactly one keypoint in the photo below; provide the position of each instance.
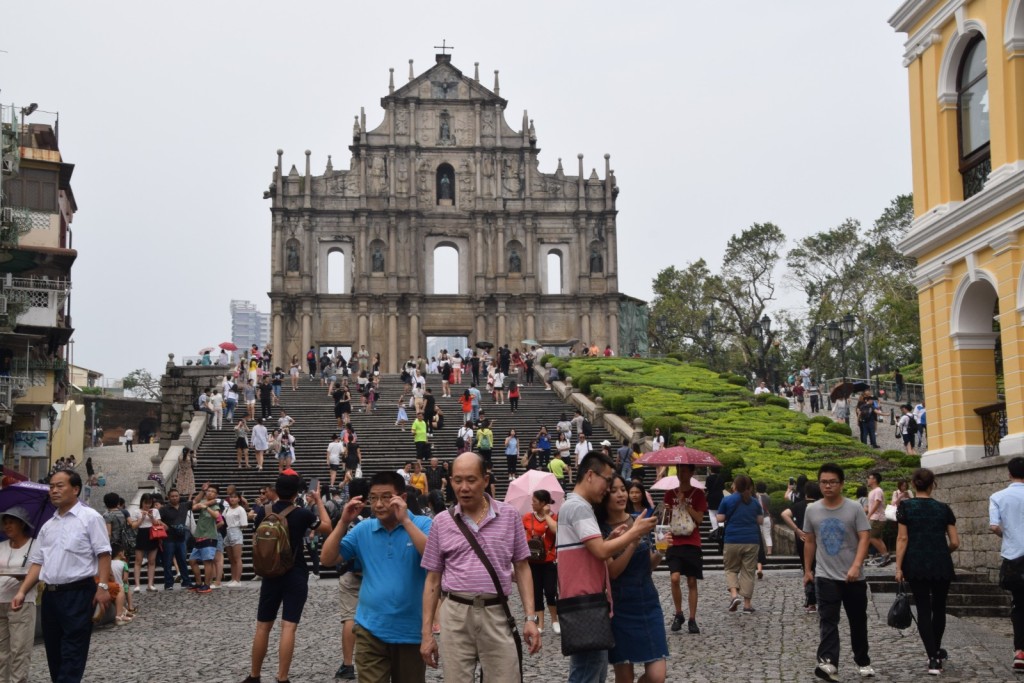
(314, 485)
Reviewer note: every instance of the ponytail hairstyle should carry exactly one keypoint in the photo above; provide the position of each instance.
(743, 486)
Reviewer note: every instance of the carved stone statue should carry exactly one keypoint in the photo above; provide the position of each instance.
(293, 257)
(515, 264)
(596, 261)
(446, 132)
(378, 260)
(446, 187)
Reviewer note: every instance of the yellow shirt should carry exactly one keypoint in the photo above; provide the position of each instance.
(558, 468)
(419, 481)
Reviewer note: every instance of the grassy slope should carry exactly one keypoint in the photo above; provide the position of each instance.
(769, 442)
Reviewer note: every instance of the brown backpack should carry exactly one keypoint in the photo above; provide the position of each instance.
(272, 554)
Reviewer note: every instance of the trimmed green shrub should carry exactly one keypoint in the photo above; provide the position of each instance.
(776, 401)
(586, 382)
(697, 363)
(675, 355)
(778, 504)
(820, 419)
(737, 380)
(761, 398)
(839, 428)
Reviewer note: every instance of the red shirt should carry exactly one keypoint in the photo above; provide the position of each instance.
(536, 527)
(698, 501)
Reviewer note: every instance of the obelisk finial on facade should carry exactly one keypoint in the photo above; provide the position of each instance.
(476, 71)
(497, 86)
(391, 81)
(410, 70)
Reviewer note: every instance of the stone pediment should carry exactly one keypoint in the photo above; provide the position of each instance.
(444, 82)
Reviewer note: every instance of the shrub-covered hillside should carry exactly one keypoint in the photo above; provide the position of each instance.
(758, 436)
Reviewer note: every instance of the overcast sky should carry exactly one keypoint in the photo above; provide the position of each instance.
(716, 115)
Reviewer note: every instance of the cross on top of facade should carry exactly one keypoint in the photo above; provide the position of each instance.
(443, 47)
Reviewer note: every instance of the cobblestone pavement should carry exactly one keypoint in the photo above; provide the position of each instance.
(885, 434)
(122, 470)
(181, 636)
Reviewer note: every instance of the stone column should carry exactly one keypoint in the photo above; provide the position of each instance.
(583, 256)
(392, 338)
(585, 328)
(414, 328)
(476, 137)
(611, 264)
(613, 328)
(531, 330)
(478, 269)
(501, 324)
(391, 167)
(358, 262)
(481, 323)
(364, 326)
(308, 264)
(307, 331)
(277, 335)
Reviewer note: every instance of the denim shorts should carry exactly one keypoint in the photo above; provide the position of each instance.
(234, 537)
(208, 554)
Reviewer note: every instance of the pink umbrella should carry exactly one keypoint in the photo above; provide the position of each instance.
(520, 490)
(680, 455)
(672, 483)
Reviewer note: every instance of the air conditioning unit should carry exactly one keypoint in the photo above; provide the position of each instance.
(7, 215)
(10, 165)
(3, 305)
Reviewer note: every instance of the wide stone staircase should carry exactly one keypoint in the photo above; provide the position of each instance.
(386, 447)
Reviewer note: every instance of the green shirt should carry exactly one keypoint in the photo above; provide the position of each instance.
(206, 526)
(558, 468)
(419, 430)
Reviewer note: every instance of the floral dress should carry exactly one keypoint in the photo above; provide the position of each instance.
(185, 481)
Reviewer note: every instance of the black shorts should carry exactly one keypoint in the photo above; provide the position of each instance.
(334, 468)
(290, 590)
(240, 442)
(687, 560)
(908, 439)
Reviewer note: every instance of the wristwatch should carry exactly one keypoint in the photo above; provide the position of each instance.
(533, 618)
(103, 586)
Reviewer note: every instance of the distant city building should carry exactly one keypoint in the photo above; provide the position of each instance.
(248, 325)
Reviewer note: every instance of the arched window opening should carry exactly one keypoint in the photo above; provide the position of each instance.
(446, 270)
(445, 184)
(554, 272)
(336, 272)
(972, 118)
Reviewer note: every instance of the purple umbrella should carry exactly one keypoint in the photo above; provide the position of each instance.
(35, 498)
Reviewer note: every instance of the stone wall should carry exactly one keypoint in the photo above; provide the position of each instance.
(180, 386)
(116, 414)
(967, 487)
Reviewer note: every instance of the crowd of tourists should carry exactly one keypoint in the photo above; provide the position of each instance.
(427, 554)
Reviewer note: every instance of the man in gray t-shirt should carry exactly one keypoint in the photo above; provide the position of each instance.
(836, 531)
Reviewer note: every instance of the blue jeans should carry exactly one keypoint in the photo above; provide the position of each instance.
(229, 408)
(588, 667)
(175, 550)
(67, 630)
(475, 415)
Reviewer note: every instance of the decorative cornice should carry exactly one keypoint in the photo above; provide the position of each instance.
(946, 222)
(964, 341)
(929, 276)
(910, 15)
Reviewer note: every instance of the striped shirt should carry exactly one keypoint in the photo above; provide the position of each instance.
(580, 572)
(500, 535)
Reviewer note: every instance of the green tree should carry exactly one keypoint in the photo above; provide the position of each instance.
(142, 383)
(681, 304)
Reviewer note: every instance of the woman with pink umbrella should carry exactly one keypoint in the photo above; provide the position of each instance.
(541, 525)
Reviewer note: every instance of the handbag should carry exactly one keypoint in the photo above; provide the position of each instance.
(900, 615)
(586, 623)
(497, 585)
(682, 522)
(157, 533)
(890, 513)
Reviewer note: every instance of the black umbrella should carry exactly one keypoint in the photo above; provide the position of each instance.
(484, 345)
(845, 389)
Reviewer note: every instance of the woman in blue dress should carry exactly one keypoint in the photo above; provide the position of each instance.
(637, 619)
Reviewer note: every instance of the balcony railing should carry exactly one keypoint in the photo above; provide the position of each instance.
(34, 301)
(11, 387)
(993, 426)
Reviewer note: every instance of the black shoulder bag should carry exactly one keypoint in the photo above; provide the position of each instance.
(497, 586)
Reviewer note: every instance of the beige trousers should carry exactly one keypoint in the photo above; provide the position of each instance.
(740, 560)
(17, 635)
(471, 634)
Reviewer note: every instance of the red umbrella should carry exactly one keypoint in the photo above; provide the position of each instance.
(680, 455)
(228, 346)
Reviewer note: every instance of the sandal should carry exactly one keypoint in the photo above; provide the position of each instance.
(122, 621)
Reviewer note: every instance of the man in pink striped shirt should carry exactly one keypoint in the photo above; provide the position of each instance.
(474, 627)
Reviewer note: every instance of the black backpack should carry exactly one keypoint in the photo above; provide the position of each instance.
(866, 411)
(911, 425)
(588, 429)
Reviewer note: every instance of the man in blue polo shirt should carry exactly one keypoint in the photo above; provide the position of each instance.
(389, 549)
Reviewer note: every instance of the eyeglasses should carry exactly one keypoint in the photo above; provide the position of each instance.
(829, 482)
(610, 479)
(386, 498)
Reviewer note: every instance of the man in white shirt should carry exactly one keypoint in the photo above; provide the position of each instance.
(216, 403)
(582, 448)
(335, 452)
(406, 472)
(762, 388)
(129, 438)
(71, 556)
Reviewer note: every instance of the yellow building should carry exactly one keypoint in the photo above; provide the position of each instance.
(965, 62)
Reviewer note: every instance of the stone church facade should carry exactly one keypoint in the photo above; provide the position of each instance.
(353, 250)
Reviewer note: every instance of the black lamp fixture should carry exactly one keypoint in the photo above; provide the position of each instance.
(766, 324)
(849, 324)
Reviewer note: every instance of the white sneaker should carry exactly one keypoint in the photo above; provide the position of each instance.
(557, 628)
(826, 670)
(866, 672)
(136, 590)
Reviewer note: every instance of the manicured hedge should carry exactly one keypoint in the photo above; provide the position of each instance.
(759, 436)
